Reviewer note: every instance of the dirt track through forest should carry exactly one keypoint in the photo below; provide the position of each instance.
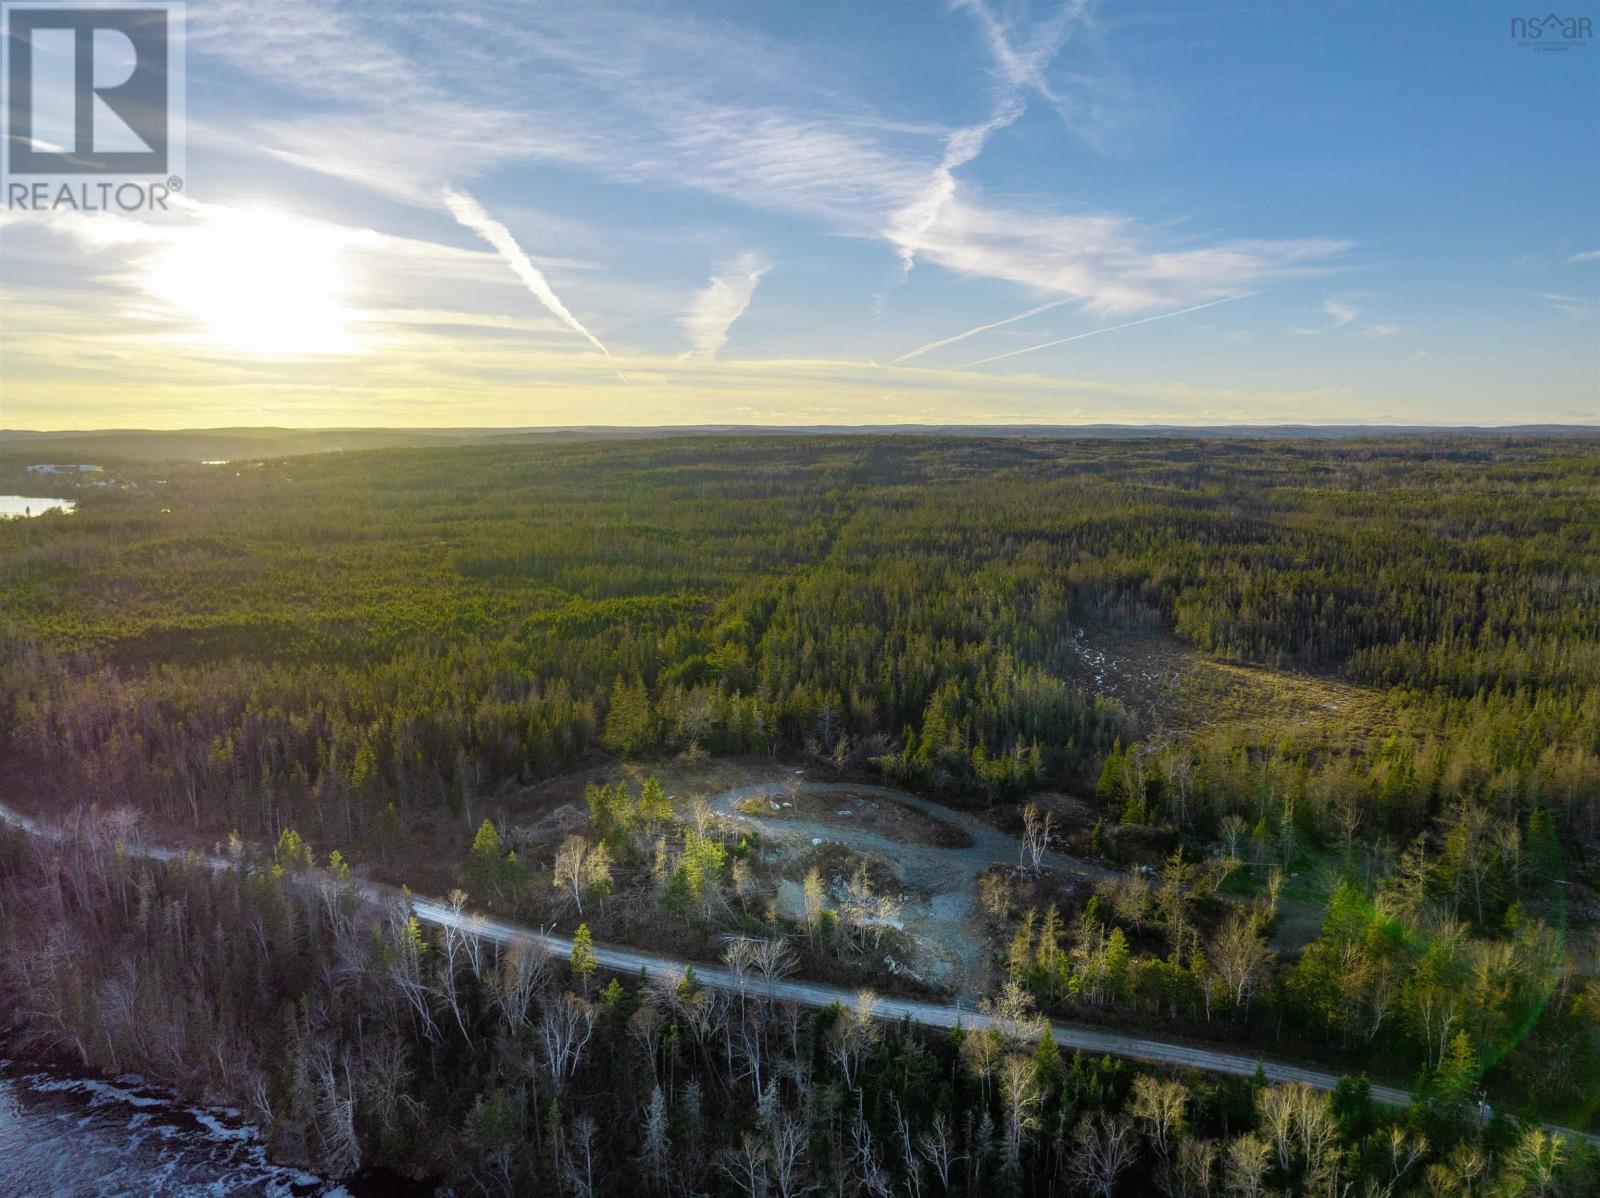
(622, 959)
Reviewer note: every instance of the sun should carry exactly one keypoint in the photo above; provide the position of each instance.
(258, 281)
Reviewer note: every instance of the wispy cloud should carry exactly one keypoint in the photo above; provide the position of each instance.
(1109, 260)
(704, 106)
(1023, 58)
(1575, 306)
(1019, 71)
(1340, 312)
(1586, 256)
(471, 214)
(720, 303)
(1097, 332)
(911, 224)
(1344, 314)
(982, 328)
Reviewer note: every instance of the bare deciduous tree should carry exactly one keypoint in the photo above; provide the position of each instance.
(1193, 1171)
(335, 1110)
(746, 1166)
(458, 945)
(774, 959)
(1036, 835)
(565, 1025)
(853, 1034)
(701, 815)
(405, 966)
(1535, 1161)
(787, 1155)
(580, 1157)
(1019, 1091)
(645, 1026)
(1233, 833)
(385, 1082)
(911, 1161)
(1012, 1016)
(1275, 1108)
(936, 1145)
(866, 1164)
(1102, 1147)
(1157, 1106)
(581, 868)
(1404, 1150)
(1240, 956)
(1244, 1166)
(523, 972)
(867, 912)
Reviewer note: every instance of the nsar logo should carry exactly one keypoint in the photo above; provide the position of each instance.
(1551, 32)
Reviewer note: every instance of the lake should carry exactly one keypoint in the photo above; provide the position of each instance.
(63, 1135)
(32, 505)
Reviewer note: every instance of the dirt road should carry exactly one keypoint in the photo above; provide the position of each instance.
(815, 994)
(928, 866)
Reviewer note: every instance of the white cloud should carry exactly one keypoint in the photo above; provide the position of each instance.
(1340, 312)
(1586, 256)
(911, 224)
(720, 303)
(1382, 330)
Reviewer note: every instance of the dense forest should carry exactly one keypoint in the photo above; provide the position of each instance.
(305, 639)
(345, 647)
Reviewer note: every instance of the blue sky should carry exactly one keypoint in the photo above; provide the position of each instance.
(505, 213)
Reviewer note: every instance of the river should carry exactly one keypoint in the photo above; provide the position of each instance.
(67, 1135)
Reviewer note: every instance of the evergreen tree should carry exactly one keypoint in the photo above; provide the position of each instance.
(630, 719)
(582, 958)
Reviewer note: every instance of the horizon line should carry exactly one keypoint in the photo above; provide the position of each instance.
(1431, 426)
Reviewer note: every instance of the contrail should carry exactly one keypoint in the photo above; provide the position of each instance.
(917, 219)
(982, 328)
(1021, 71)
(471, 214)
(1109, 329)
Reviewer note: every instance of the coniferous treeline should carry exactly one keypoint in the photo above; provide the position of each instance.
(309, 639)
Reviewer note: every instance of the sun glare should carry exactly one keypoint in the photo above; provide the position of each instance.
(258, 282)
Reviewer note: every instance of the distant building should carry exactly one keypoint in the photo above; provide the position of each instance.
(47, 468)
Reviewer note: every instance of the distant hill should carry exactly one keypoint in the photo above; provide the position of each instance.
(232, 444)
(215, 444)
